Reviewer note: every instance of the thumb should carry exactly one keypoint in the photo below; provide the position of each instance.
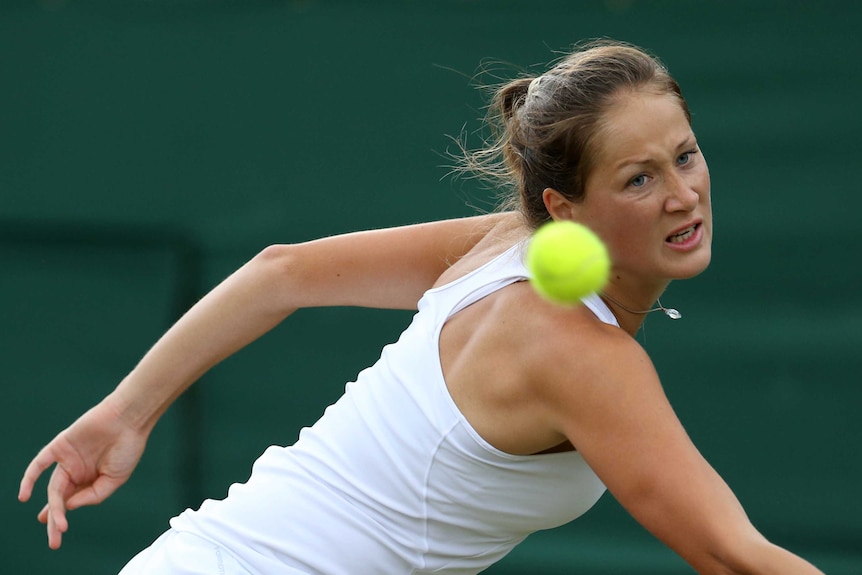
(102, 488)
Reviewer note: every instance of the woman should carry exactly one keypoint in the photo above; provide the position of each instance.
(497, 413)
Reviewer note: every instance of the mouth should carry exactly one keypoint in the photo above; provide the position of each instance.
(684, 235)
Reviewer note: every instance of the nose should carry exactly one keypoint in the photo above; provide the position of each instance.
(681, 196)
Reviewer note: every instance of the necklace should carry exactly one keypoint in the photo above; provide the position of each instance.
(668, 311)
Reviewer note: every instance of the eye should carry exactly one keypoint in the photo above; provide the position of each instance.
(685, 157)
(638, 181)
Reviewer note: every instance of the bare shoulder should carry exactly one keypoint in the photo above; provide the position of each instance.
(582, 369)
(510, 358)
(573, 335)
(506, 228)
(498, 232)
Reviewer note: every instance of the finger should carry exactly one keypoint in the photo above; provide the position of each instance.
(58, 489)
(43, 460)
(57, 525)
(43, 515)
(55, 534)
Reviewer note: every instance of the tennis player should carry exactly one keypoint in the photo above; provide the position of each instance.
(496, 413)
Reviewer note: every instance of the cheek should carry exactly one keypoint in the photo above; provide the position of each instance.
(626, 239)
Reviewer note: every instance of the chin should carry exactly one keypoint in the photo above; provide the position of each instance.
(696, 266)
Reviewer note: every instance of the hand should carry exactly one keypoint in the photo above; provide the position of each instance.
(94, 456)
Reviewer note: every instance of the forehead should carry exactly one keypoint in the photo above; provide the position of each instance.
(640, 124)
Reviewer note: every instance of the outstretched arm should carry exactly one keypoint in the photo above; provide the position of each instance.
(388, 268)
(618, 417)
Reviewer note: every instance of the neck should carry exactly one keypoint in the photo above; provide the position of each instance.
(632, 311)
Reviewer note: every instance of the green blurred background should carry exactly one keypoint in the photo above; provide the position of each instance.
(149, 148)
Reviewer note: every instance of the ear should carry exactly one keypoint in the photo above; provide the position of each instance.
(557, 205)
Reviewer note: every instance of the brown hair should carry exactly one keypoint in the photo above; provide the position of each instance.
(542, 127)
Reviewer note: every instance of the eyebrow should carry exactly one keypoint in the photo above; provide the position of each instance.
(688, 141)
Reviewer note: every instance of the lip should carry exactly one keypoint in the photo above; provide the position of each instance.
(692, 242)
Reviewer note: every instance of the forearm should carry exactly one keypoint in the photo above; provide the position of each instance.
(246, 305)
(765, 558)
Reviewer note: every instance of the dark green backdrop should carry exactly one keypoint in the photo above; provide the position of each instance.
(148, 148)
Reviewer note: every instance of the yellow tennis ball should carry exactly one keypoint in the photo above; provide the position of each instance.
(567, 261)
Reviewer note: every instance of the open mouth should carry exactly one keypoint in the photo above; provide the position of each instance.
(683, 235)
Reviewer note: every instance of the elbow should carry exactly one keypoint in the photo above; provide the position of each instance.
(277, 270)
(277, 261)
(299, 276)
(275, 254)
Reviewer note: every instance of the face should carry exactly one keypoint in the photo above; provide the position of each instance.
(647, 196)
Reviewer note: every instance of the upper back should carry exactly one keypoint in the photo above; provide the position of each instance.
(493, 350)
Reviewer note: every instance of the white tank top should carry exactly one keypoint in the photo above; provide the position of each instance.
(393, 479)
